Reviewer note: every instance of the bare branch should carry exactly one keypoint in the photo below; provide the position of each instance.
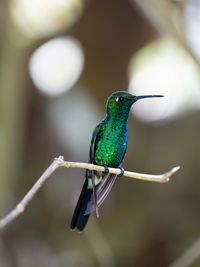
(59, 162)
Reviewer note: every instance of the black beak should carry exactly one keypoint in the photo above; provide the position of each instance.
(146, 96)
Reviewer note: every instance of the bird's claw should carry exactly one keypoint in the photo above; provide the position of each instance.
(106, 170)
(122, 172)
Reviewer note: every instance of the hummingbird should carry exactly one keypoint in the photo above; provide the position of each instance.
(107, 148)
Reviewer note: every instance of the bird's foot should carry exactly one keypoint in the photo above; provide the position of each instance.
(122, 172)
(106, 170)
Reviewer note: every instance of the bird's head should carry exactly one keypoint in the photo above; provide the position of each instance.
(120, 102)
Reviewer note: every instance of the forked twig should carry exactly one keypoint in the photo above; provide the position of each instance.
(59, 162)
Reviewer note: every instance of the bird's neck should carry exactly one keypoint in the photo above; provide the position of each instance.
(118, 119)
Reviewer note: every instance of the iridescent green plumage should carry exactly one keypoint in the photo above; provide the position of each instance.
(108, 147)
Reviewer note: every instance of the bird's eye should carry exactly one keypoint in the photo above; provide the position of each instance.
(120, 99)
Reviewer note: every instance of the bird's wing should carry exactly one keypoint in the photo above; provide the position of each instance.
(93, 142)
(91, 160)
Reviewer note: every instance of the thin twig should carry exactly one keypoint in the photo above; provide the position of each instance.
(59, 162)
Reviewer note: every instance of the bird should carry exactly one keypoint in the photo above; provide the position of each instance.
(108, 147)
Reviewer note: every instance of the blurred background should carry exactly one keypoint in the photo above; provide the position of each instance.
(59, 61)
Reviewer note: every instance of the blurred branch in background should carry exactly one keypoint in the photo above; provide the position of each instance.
(59, 162)
(189, 256)
(169, 18)
(162, 14)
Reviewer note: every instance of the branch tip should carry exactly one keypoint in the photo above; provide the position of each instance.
(59, 159)
(175, 169)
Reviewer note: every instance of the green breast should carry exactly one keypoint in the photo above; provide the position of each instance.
(110, 145)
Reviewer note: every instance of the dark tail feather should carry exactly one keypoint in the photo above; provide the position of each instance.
(79, 220)
(85, 205)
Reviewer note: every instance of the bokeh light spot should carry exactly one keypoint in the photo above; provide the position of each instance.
(36, 18)
(56, 65)
(163, 67)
